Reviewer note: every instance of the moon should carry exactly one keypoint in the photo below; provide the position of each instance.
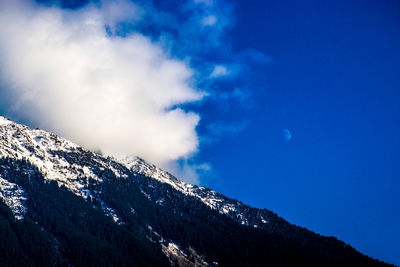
(287, 134)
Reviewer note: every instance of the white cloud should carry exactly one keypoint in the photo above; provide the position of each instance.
(220, 129)
(209, 20)
(219, 71)
(205, 2)
(60, 70)
(191, 171)
(115, 11)
(230, 70)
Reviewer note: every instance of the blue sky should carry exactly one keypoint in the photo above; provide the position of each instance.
(328, 72)
(334, 82)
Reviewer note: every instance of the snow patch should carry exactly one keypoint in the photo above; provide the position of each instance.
(37, 146)
(14, 196)
(209, 197)
(110, 212)
(46, 151)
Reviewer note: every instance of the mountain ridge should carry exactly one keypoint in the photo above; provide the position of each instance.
(100, 181)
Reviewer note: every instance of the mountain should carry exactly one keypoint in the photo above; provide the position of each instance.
(62, 205)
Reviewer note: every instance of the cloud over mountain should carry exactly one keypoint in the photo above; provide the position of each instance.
(117, 76)
(62, 70)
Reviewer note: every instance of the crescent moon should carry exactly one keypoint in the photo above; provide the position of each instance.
(287, 134)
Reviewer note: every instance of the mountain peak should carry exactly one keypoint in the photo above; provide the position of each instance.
(4, 121)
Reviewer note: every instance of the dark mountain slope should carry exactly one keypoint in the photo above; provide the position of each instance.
(61, 205)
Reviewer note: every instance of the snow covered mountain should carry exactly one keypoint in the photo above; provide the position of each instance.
(48, 153)
(129, 212)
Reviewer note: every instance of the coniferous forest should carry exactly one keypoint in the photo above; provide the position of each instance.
(62, 229)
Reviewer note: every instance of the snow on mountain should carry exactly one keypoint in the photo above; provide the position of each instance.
(46, 151)
(38, 147)
(113, 186)
(72, 166)
(14, 196)
(209, 197)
